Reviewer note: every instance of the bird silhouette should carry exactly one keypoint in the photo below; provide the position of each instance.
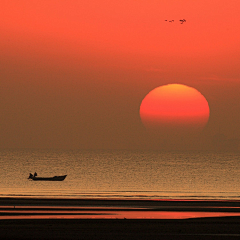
(182, 20)
(171, 21)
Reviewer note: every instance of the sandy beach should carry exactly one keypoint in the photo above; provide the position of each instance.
(118, 219)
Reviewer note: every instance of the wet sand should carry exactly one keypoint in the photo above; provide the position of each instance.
(22, 218)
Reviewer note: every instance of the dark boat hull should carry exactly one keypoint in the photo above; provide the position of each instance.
(55, 178)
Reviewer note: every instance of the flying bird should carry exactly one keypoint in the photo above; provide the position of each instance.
(182, 20)
(171, 21)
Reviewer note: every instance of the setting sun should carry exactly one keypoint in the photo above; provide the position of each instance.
(174, 107)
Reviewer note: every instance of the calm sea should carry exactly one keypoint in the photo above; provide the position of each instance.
(121, 174)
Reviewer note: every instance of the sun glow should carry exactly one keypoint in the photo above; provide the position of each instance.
(174, 107)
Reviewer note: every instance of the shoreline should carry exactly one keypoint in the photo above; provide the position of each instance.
(110, 209)
(87, 219)
(132, 200)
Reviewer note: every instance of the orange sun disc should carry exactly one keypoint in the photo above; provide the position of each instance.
(174, 108)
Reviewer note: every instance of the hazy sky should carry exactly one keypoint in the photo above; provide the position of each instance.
(73, 73)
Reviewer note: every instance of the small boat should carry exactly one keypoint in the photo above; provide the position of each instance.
(55, 178)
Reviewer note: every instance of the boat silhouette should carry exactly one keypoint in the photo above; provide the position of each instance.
(55, 178)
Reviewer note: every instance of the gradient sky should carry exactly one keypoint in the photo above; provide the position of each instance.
(73, 73)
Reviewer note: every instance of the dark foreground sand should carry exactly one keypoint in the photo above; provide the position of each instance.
(214, 228)
(193, 228)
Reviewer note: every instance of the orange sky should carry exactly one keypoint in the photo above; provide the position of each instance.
(73, 74)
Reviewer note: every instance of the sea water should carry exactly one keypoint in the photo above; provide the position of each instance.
(120, 174)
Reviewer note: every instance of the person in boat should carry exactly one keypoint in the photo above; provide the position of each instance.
(30, 175)
(35, 174)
